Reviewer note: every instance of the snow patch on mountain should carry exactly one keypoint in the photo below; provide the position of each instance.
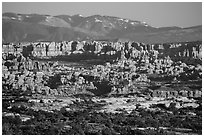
(126, 20)
(19, 17)
(120, 19)
(97, 20)
(134, 23)
(56, 22)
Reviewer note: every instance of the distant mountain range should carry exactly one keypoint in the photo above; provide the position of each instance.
(35, 27)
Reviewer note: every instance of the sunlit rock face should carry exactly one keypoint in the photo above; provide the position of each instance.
(119, 49)
(131, 70)
(138, 83)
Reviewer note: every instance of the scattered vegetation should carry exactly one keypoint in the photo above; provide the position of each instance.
(86, 121)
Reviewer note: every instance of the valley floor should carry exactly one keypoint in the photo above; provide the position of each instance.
(122, 115)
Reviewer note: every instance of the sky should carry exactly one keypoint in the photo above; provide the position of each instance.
(156, 14)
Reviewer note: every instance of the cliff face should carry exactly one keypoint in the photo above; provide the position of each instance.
(66, 48)
(132, 68)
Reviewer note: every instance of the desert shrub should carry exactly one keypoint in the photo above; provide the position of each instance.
(11, 125)
(7, 129)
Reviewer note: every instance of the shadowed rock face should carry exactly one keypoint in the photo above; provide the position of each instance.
(103, 88)
(188, 52)
(131, 95)
(34, 27)
(136, 70)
